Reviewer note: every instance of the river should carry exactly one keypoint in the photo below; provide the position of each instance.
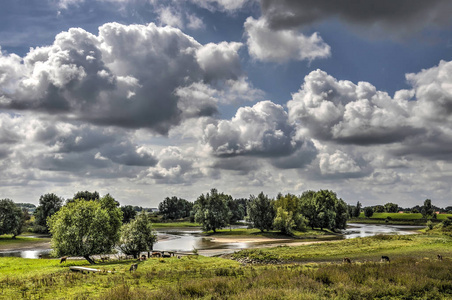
(189, 239)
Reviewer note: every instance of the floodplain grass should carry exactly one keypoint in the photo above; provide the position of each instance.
(404, 216)
(253, 232)
(307, 272)
(175, 224)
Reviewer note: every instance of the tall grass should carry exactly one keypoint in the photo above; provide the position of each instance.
(309, 272)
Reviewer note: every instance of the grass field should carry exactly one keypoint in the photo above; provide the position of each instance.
(175, 224)
(304, 272)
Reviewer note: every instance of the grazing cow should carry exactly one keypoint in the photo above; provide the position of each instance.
(133, 267)
(347, 260)
(63, 259)
(40, 256)
(178, 257)
(143, 257)
(440, 257)
(166, 255)
(385, 258)
(156, 254)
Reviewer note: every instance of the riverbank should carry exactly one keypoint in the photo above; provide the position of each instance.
(7, 243)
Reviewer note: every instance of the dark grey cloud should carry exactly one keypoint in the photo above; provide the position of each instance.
(393, 17)
(126, 76)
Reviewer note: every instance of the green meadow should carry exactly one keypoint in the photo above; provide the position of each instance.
(313, 271)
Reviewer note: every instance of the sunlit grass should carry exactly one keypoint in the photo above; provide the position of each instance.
(308, 272)
(175, 224)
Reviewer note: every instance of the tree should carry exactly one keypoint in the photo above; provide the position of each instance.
(357, 210)
(49, 204)
(236, 211)
(391, 207)
(261, 212)
(137, 236)
(427, 209)
(84, 195)
(11, 219)
(368, 211)
(212, 211)
(324, 210)
(284, 221)
(128, 213)
(292, 204)
(379, 208)
(84, 228)
(175, 208)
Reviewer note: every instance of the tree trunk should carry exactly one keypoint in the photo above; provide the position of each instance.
(89, 259)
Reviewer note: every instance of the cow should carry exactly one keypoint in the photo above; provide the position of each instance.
(104, 258)
(156, 254)
(63, 259)
(385, 258)
(439, 256)
(133, 267)
(347, 260)
(142, 257)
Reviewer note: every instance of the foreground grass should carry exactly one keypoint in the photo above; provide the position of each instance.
(308, 272)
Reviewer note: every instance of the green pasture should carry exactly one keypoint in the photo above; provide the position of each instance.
(404, 216)
(175, 224)
(312, 271)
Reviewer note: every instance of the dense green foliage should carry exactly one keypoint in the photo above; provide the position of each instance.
(49, 204)
(324, 210)
(11, 218)
(137, 236)
(128, 213)
(391, 207)
(175, 208)
(84, 228)
(368, 212)
(427, 209)
(211, 210)
(86, 195)
(236, 210)
(261, 212)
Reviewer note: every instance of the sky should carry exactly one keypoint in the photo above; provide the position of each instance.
(147, 99)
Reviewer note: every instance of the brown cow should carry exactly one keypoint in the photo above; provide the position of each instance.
(63, 259)
(347, 260)
(133, 267)
(156, 254)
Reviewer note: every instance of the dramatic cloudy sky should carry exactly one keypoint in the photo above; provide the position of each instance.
(145, 99)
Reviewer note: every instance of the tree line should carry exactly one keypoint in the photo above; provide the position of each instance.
(88, 224)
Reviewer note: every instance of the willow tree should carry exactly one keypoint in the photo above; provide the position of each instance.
(137, 236)
(85, 228)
